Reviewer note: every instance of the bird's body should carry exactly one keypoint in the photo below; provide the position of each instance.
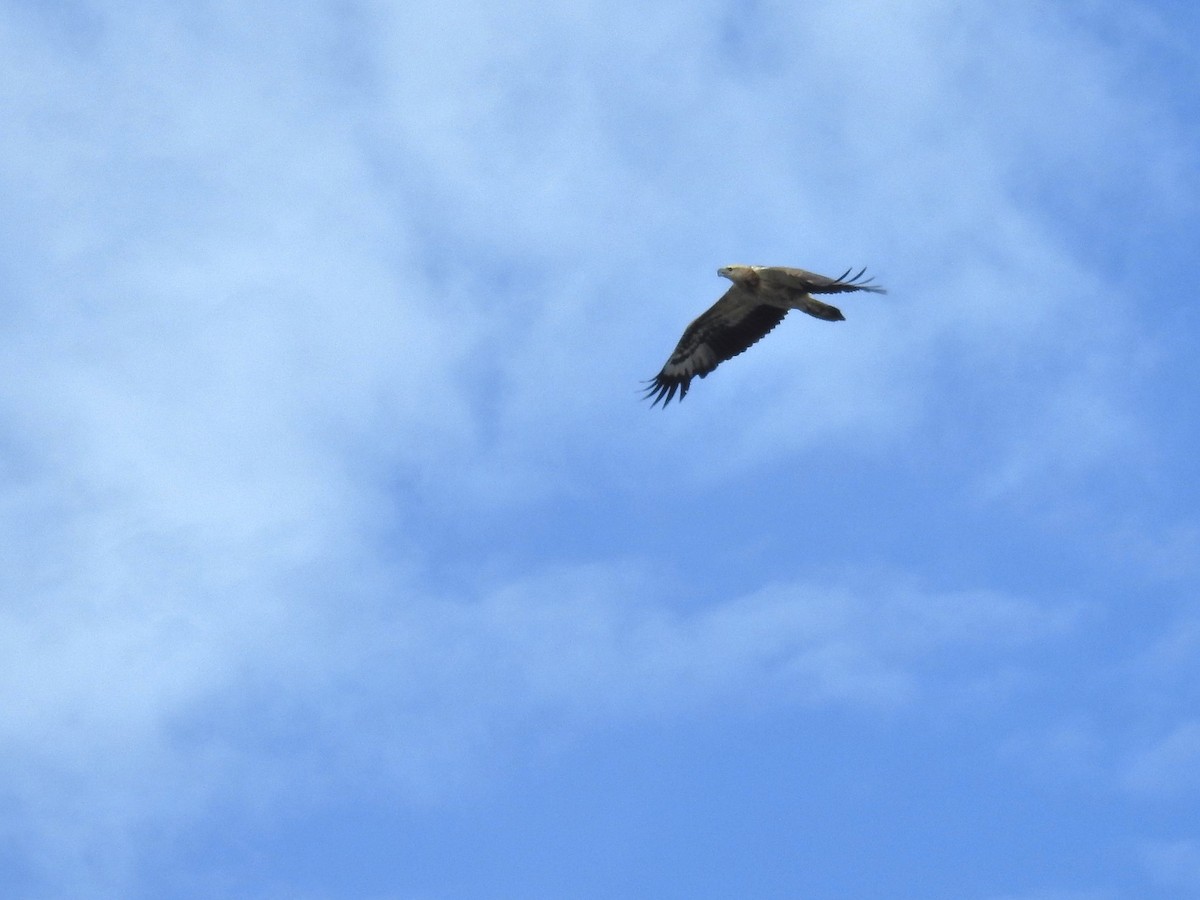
(758, 300)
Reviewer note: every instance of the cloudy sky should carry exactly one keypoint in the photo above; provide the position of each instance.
(339, 557)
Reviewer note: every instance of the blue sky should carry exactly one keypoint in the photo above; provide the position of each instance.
(340, 558)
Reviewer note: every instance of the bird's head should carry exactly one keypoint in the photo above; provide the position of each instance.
(742, 275)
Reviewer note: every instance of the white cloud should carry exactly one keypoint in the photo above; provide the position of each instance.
(152, 712)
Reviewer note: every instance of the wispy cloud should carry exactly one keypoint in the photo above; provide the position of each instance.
(1168, 765)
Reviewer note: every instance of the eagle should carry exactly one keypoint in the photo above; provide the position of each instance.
(758, 300)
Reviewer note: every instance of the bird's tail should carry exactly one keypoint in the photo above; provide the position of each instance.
(820, 310)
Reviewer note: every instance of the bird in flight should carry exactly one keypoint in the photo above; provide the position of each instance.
(758, 300)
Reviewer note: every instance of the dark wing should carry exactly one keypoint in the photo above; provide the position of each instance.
(812, 283)
(731, 325)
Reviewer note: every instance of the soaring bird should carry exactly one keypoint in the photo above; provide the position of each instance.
(758, 300)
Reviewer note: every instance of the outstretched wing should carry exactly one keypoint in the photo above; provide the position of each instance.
(812, 283)
(731, 325)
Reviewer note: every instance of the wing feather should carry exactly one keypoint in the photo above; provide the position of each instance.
(730, 326)
(812, 283)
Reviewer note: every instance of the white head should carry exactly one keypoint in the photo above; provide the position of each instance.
(739, 274)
